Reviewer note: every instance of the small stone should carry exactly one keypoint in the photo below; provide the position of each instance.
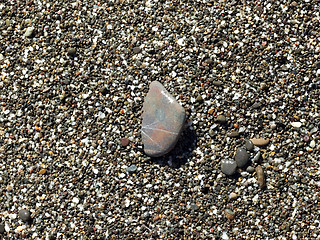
(233, 196)
(228, 167)
(221, 119)
(8, 22)
(250, 169)
(124, 142)
(162, 121)
(296, 124)
(25, 215)
(294, 4)
(217, 83)
(306, 138)
(1, 57)
(194, 207)
(256, 105)
(132, 169)
(229, 214)
(72, 51)
(2, 228)
(312, 144)
(260, 141)
(257, 157)
(248, 145)
(242, 157)
(29, 32)
(42, 171)
(199, 98)
(136, 50)
(233, 134)
(260, 177)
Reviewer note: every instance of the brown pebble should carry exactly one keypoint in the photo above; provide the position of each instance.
(233, 195)
(229, 214)
(260, 141)
(124, 142)
(42, 171)
(260, 177)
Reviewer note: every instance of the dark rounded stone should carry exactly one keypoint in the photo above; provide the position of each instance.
(248, 145)
(72, 51)
(242, 157)
(228, 167)
(2, 228)
(25, 215)
(136, 50)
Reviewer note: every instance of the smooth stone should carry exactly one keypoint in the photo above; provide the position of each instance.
(296, 124)
(233, 196)
(250, 169)
(162, 121)
(29, 32)
(72, 51)
(136, 50)
(124, 142)
(242, 157)
(248, 145)
(229, 213)
(260, 141)
(132, 169)
(217, 83)
(1, 57)
(228, 167)
(24, 215)
(256, 105)
(2, 228)
(233, 134)
(257, 157)
(260, 177)
(312, 144)
(221, 119)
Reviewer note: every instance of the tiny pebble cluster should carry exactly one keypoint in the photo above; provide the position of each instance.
(73, 79)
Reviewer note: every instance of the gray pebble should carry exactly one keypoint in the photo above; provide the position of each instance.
(242, 157)
(136, 50)
(233, 134)
(25, 215)
(228, 167)
(249, 145)
(132, 169)
(2, 228)
(250, 169)
(257, 157)
(72, 51)
(29, 32)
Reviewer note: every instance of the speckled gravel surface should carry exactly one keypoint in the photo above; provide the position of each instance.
(73, 77)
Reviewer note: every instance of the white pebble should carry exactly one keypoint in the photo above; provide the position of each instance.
(296, 124)
(312, 144)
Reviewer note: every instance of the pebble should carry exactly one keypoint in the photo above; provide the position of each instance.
(162, 121)
(248, 145)
(124, 142)
(256, 157)
(242, 157)
(233, 196)
(260, 142)
(306, 138)
(2, 228)
(132, 169)
(29, 32)
(296, 124)
(312, 143)
(250, 169)
(233, 134)
(72, 51)
(256, 105)
(229, 214)
(137, 50)
(42, 171)
(217, 83)
(25, 215)
(221, 119)
(260, 177)
(228, 167)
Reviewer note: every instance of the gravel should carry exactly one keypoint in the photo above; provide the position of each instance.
(256, 63)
